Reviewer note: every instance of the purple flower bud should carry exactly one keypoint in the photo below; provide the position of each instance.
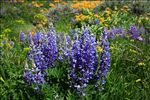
(11, 43)
(105, 57)
(22, 36)
(29, 38)
(3, 41)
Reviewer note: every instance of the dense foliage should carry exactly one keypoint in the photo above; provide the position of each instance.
(70, 50)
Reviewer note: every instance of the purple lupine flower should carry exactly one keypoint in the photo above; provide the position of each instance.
(28, 76)
(71, 31)
(142, 29)
(37, 55)
(74, 33)
(59, 45)
(11, 43)
(29, 39)
(134, 32)
(33, 75)
(37, 37)
(50, 50)
(3, 41)
(66, 47)
(38, 78)
(22, 36)
(105, 57)
(83, 61)
(3, 10)
(117, 31)
(43, 53)
(73, 20)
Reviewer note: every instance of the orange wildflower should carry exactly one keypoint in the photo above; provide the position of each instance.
(96, 15)
(52, 5)
(102, 20)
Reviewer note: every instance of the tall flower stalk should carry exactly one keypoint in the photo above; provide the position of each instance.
(83, 61)
(105, 56)
(42, 55)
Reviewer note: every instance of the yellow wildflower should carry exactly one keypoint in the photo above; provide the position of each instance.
(36, 5)
(108, 12)
(96, 15)
(80, 17)
(64, 3)
(85, 4)
(125, 7)
(106, 25)
(112, 47)
(22, 1)
(41, 10)
(99, 49)
(139, 20)
(43, 23)
(108, 18)
(124, 10)
(57, 0)
(102, 20)
(74, 1)
(146, 18)
(39, 25)
(52, 5)
(32, 33)
(8, 45)
(26, 49)
(108, 9)
(141, 64)
(33, 2)
(41, 5)
(115, 8)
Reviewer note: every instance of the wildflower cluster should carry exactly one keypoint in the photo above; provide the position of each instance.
(85, 4)
(135, 33)
(80, 52)
(81, 17)
(35, 4)
(42, 54)
(84, 61)
(40, 20)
